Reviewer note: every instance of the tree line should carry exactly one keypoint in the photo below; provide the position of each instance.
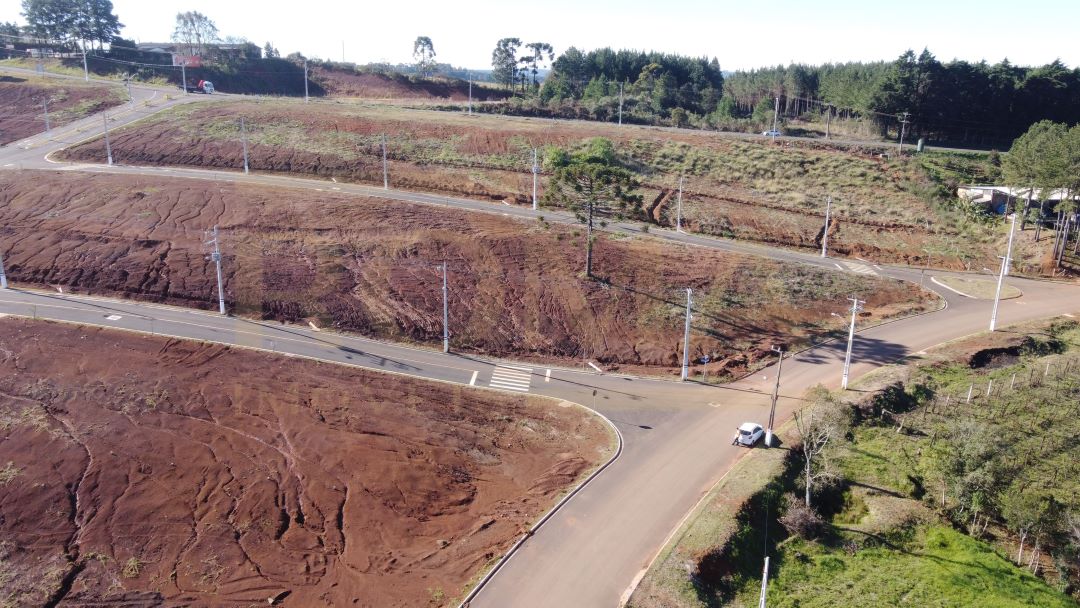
(958, 101)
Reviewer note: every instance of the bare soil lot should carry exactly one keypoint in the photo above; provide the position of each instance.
(22, 110)
(346, 83)
(883, 209)
(372, 266)
(141, 471)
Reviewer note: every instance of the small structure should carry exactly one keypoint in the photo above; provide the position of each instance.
(1003, 199)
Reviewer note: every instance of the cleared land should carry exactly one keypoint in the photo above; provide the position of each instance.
(372, 266)
(347, 83)
(22, 109)
(138, 470)
(887, 210)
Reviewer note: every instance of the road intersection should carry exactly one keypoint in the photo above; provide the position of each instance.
(675, 435)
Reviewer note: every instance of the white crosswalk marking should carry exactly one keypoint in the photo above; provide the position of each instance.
(859, 268)
(511, 378)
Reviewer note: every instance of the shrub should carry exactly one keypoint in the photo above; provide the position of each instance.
(800, 520)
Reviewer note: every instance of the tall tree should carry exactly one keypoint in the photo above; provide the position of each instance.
(270, 52)
(504, 61)
(536, 53)
(423, 51)
(593, 184)
(818, 424)
(52, 19)
(194, 31)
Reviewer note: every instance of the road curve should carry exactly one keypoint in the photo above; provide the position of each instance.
(675, 434)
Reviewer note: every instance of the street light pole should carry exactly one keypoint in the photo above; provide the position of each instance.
(678, 213)
(108, 146)
(305, 82)
(856, 306)
(764, 583)
(536, 174)
(620, 102)
(775, 117)
(85, 66)
(686, 339)
(775, 394)
(3, 275)
(825, 235)
(385, 169)
(47, 127)
(445, 313)
(243, 138)
(1001, 275)
(216, 256)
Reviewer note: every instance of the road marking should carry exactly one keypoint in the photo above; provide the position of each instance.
(956, 291)
(547, 375)
(313, 326)
(838, 266)
(10, 165)
(859, 268)
(594, 366)
(1070, 316)
(511, 378)
(472, 381)
(114, 317)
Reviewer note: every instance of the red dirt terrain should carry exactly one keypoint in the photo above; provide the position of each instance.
(140, 471)
(735, 187)
(340, 83)
(371, 266)
(22, 112)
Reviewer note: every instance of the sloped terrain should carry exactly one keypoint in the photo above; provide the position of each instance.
(887, 210)
(345, 83)
(372, 266)
(140, 471)
(22, 110)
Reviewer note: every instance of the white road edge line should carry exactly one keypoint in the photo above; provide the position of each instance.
(956, 291)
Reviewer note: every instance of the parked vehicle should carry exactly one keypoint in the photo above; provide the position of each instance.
(200, 86)
(771, 133)
(748, 434)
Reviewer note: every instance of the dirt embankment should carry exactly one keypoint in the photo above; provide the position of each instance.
(22, 105)
(372, 266)
(741, 188)
(138, 471)
(339, 83)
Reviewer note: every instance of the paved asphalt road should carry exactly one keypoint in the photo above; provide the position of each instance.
(676, 435)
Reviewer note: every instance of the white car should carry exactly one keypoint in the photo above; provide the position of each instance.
(771, 133)
(748, 435)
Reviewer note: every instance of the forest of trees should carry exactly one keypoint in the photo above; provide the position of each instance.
(654, 84)
(958, 101)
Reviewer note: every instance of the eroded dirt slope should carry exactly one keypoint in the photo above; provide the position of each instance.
(373, 266)
(22, 104)
(137, 471)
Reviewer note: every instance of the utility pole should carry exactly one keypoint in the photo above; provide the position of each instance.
(470, 93)
(678, 212)
(1001, 275)
(305, 82)
(825, 235)
(3, 275)
(85, 66)
(131, 98)
(183, 75)
(243, 138)
(903, 129)
(385, 170)
(764, 583)
(775, 117)
(828, 121)
(216, 256)
(775, 394)
(445, 313)
(620, 106)
(536, 175)
(108, 146)
(856, 306)
(686, 339)
(47, 127)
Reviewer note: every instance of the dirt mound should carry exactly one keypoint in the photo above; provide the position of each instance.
(22, 110)
(137, 471)
(372, 266)
(338, 83)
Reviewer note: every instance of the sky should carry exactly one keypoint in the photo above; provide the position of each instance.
(740, 34)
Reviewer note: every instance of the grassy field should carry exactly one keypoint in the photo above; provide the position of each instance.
(983, 289)
(744, 187)
(927, 498)
(23, 100)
